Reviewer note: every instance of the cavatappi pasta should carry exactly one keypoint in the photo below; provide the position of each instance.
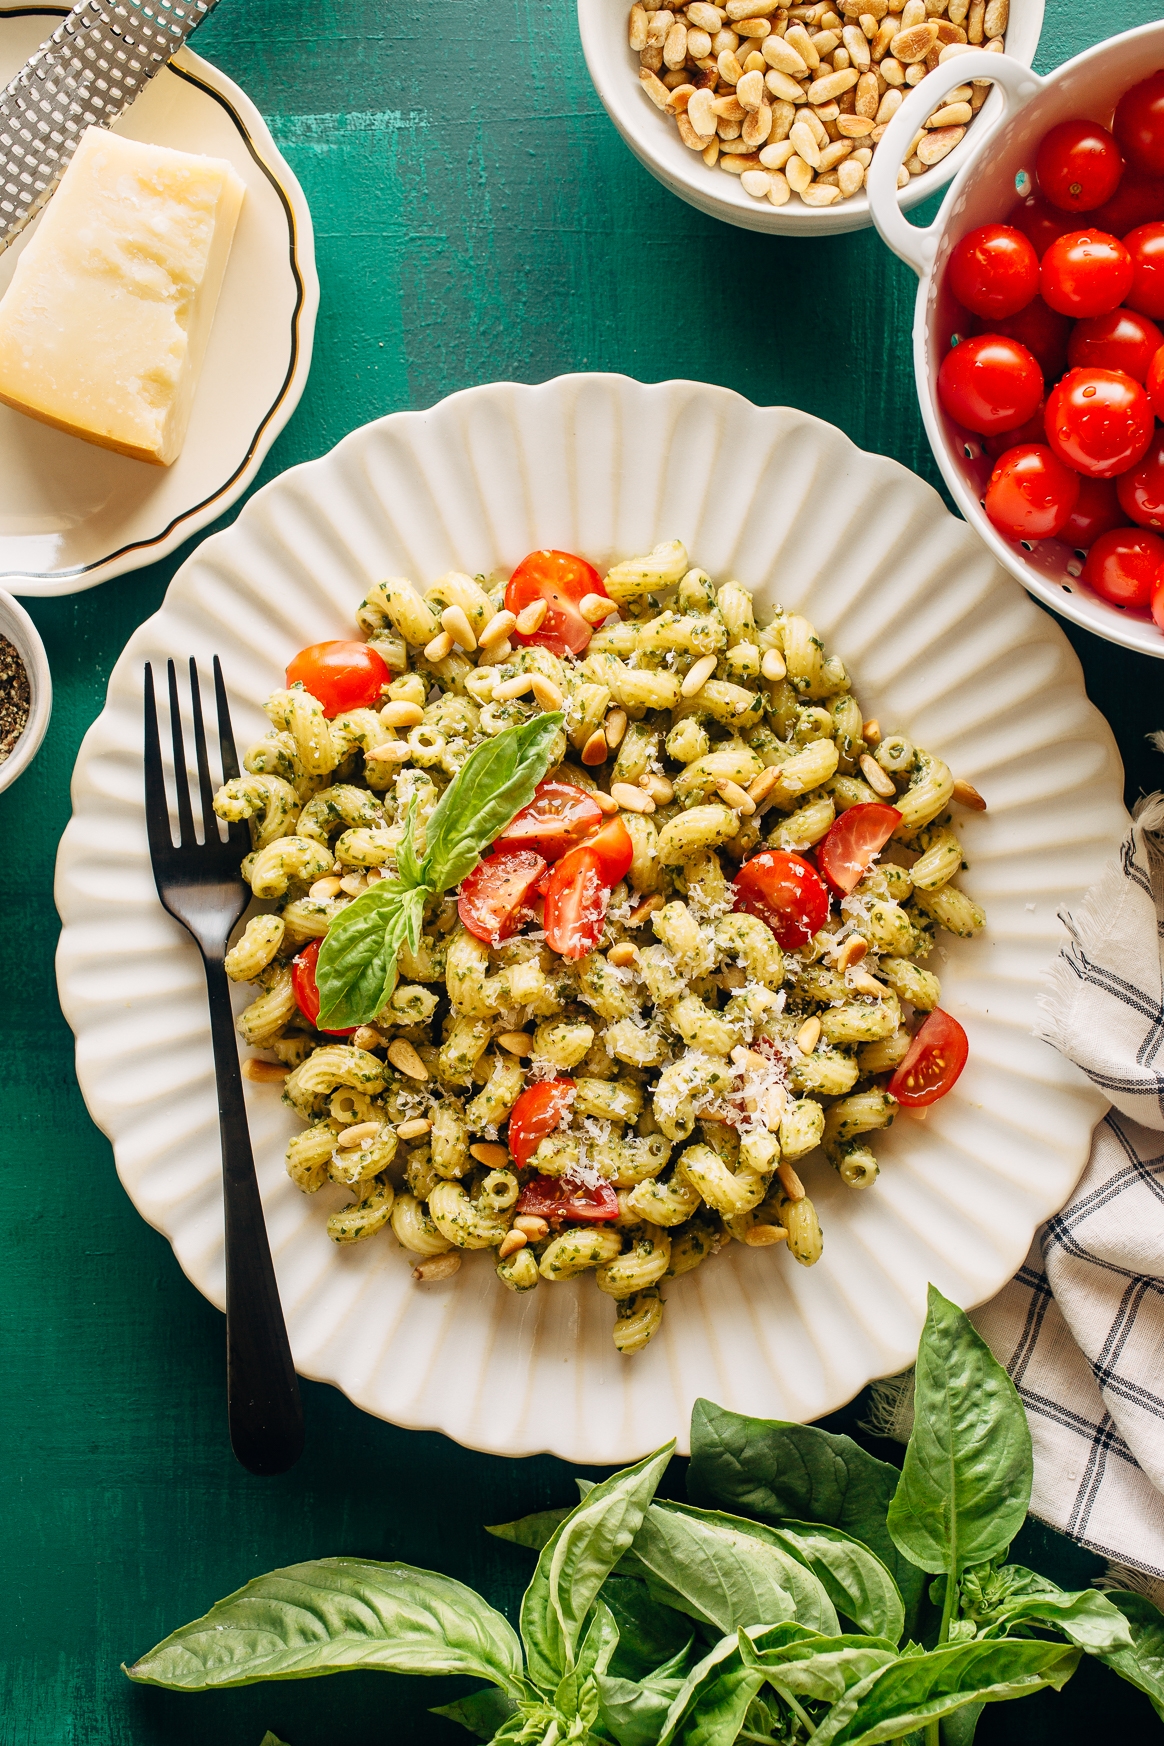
(709, 1070)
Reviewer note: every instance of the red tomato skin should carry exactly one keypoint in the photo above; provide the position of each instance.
(558, 818)
(1139, 125)
(1154, 383)
(577, 897)
(1123, 566)
(496, 898)
(1138, 200)
(852, 843)
(614, 850)
(989, 384)
(1085, 273)
(562, 580)
(1031, 493)
(786, 892)
(538, 1111)
(342, 675)
(1145, 246)
(1097, 510)
(1039, 221)
(1099, 422)
(1141, 488)
(1120, 340)
(994, 271)
(1033, 431)
(933, 1063)
(1041, 329)
(1158, 599)
(560, 1201)
(305, 990)
(1078, 166)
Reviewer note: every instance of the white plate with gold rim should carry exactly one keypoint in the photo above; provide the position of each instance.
(73, 514)
(941, 643)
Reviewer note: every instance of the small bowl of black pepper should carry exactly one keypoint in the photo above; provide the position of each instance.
(26, 690)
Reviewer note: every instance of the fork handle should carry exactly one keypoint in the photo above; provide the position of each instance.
(263, 1405)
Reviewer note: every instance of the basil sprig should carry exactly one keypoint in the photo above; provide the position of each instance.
(654, 1623)
(356, 969)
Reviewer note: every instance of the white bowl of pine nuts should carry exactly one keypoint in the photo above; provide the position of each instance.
(768, 116)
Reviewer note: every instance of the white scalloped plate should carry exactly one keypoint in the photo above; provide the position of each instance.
(942, 644)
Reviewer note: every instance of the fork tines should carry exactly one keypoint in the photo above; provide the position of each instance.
(161, 840)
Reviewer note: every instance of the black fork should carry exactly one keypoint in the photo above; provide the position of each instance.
(199, 883)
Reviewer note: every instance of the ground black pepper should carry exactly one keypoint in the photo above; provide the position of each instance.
(14, 698)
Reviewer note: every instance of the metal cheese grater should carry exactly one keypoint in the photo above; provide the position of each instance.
(89, 71)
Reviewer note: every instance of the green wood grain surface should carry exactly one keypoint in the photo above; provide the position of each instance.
(476, 218)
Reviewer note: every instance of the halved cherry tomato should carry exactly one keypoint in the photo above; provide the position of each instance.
(614, 849)
(496, 898)
(1120, 340)
(934, 1060)
(1139, 125)
(1145, 245)
(994, 271)
(303, 986)
(989, 383)
(785, 891)
(1085, 273)
(1099, 422)
(1123, 566)
(1141, 488)
(577, 896)
(559, 817)
(1031, 493)
(852, 843)
(1078, 166)
(1041, 329)
(562, 581)
(1138, 200)
(538, 1111)
(1040, 221)
(559, 1200)
(342, 675)
(1097, 510)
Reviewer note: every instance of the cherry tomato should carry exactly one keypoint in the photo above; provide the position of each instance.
(934, 1060)
(342, 675)
(304, 988)
(994, 271)
(1039, 221)
(853, 843)
(538, 1111)
(1141, 488)
(1139, 125)
(1031, 493)
(496, 898)
(1033, 431)
(557, 818)
(1099, 422)
(614, 849)
(577, 896)
(785, 891)
(559, 1200)
(1145, 246)
(990, 384)
(562, 581)
(1043, 331)
(1137, 200)
(1097, 510)
(1123, 566)
(1154, 383)
(1085, 273)
(1158, 599)
(1119, 340)
(1079, 165)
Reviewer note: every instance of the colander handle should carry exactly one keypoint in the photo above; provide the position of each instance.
(917, 245)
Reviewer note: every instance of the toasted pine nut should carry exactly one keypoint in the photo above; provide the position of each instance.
(530, 618)
(353, 884)
(871, 732)
(391, 752)
(647, 907)
(772, 667)
(414, 1129)
(440, 647)
(515, 1042)
(853, 950)
(595, 608)
(658, 787)
(790, 1181)
(358, 1133)
(455, 620)
(264, 1072)
(595, 749)
(367, 1037)
(626, 952)
(967, 795)
(774, 1104)
(765, 1236)
(546, 692)
(494, 1157)
(510, 1244)
(495, 654)
(499, 626)
(614, 727)
(736, 797)
(697, 678)
(876, 777)
(602, 801)
(439, 1267)
(629, 798)
(406, 1060)
(861, 982)
(534, 1227)
(516, 687)
(324, 889)
(396, 715)
(761, 786)
(808, 1036)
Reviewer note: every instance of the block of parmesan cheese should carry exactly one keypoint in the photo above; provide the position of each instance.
(104, 327)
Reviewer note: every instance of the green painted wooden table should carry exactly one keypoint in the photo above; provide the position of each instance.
(476, 218)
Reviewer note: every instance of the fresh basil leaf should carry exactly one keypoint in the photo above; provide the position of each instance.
(960, 1728)
(821, 1669)
(334, 1614)
(270, 1739)
(702, 1674)
(496, 780)
(594, 1653)
(575, 1562)
(720, 1705)
(482, 1712)
(771, 1470)
(652, 1637)
(966, 1481)
(852, 1576)
(634, 1714)
(1143, 1664)
(356, 968)
(914, 1690)
(1086, 1618)
(532, 1531)
(406, 860)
